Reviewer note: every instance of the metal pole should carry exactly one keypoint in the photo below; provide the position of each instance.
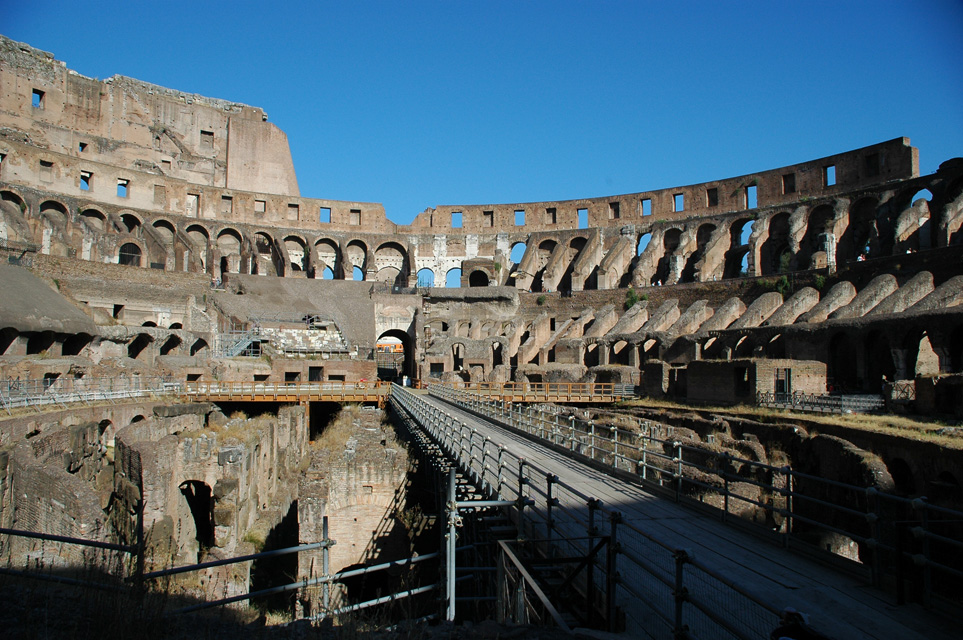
(325, 567)
(679, 593)
(450, 549)
(611, 572)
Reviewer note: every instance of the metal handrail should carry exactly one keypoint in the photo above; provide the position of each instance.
(669, 473)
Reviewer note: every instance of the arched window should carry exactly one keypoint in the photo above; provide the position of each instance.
(129, 255)
(453, 278)
(426, 278)
(478, 279)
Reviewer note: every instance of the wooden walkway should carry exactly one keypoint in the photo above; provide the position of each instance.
(367, 392)
(839, 605)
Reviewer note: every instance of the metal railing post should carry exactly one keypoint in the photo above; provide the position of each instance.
(679, 593)
(611, 572)
(452, 513)
(325, 567)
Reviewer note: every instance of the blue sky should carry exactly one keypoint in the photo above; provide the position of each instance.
(428, 103)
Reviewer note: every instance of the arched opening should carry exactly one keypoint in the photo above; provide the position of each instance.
(138, 346)
(297, 251)
(357, 274)
(861, 238)
(149, 323)
(478, 278)
(643, 244)
(39, 342)
(670, 243)
(93, 219)
(841, 374)
(394, 355)
(267, 259)
(199, 241)
(458, 356)
(542, 256)
(229, 246)
(201, 503)
(74, 344)
(12, 205)
(105, 434)
(176, 325)
(165, 230)
(8, 336)
(815, 242)
(775, 254)
(170, 345)
(426, 278)
(130, 222)
(357, 257)
(391, 263)
(55, 212)
(453, 278)
(129, 255)
(903, 480)
(327, 252)
(954, 347)
(703, 235)
(879, 360)
(199, 346)
(517, 252)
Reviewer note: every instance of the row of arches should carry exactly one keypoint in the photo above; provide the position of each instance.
(708, 249)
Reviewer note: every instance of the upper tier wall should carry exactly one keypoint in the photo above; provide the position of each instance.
(130, 143)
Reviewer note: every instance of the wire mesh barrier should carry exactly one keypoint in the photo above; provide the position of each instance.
(626, 571)
(549, 391)
(821, 403)
(63, 391)
(914, 542)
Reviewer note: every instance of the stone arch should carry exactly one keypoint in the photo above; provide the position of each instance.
(55, 211)
(671, 238)
(94, 219)
(391, 263)
(12, 203)
(328, 254)
(388, 362)
(130, 254)
(542, 255)
(165, 230)
(356, 256)
(200, 345)
(131, 222)
(517, 252)
(478, 278)
(8, 337)
(776, 254)
(737, 256)
(296, 247)
(200, 239)
(453, 278)
(818, 226)
(861, 237)
(426, 278)
(137, 348)
(229, 241)
(170, 345)
(267, 259)
(39, 342)
(643, 243)
(703, 235)
(75, 344)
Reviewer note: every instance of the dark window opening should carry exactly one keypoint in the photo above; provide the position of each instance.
(583, 218)
(46, 171)
(37, 99)
(789, 183)
(138, 345)
(227, 205)
(207, 140)
(678, 202)
(751, 202)
(829, 175)
(712, 197)
(325, 215)
(519, 217)
(38, 343)
(261, 377)
(118, 309)
(456, 219)
(122, 187)
(646, 205)
(614, 213)
(82, 147)
(489, 218)
(356, 217)
(478, 279)
(200, 500)
(259, 206)
(294, 211)
(741, 375)
(435, 369)
(551, 215)
(86, 180)
(292, 376)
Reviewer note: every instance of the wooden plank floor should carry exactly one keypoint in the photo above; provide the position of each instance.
(838, 604)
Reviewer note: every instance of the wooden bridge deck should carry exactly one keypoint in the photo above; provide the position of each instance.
(839, 604)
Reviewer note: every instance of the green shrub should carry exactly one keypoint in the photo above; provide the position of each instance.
(540, 300)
